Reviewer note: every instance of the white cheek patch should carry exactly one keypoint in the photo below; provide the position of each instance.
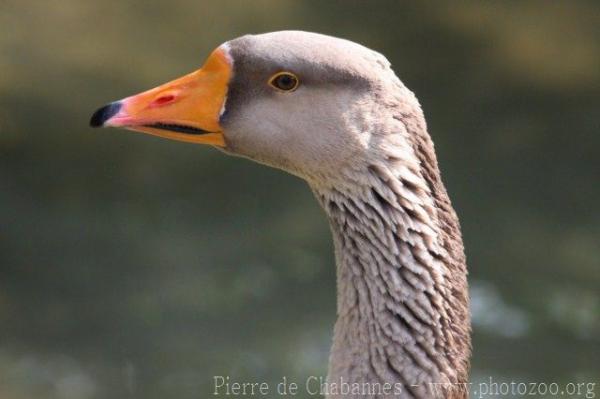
(226, 51)
(223, 108)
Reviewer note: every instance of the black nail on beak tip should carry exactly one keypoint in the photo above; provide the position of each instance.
(105, 113)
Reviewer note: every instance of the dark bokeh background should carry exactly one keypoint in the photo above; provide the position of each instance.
(134, 267)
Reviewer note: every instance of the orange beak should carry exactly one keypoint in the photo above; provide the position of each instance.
(186, 109)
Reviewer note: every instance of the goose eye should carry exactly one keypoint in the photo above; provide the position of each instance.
(284, 81)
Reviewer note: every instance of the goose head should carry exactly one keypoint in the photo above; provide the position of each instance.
(334, 113)
(298, 101)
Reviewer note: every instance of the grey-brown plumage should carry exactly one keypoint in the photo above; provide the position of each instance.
(357, 135)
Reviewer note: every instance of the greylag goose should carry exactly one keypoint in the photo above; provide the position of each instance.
(334, 113)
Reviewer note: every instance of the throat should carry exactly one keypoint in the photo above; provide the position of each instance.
(402, 307)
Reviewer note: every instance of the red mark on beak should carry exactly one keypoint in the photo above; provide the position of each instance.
(163, 100)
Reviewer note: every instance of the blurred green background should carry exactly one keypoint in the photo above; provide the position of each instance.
(135, 267)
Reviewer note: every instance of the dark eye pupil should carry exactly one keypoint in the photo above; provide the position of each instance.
(285, 82)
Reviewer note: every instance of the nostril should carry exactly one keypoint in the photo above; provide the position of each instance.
(162, 100)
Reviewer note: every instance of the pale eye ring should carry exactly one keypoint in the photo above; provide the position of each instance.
(284, 81)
